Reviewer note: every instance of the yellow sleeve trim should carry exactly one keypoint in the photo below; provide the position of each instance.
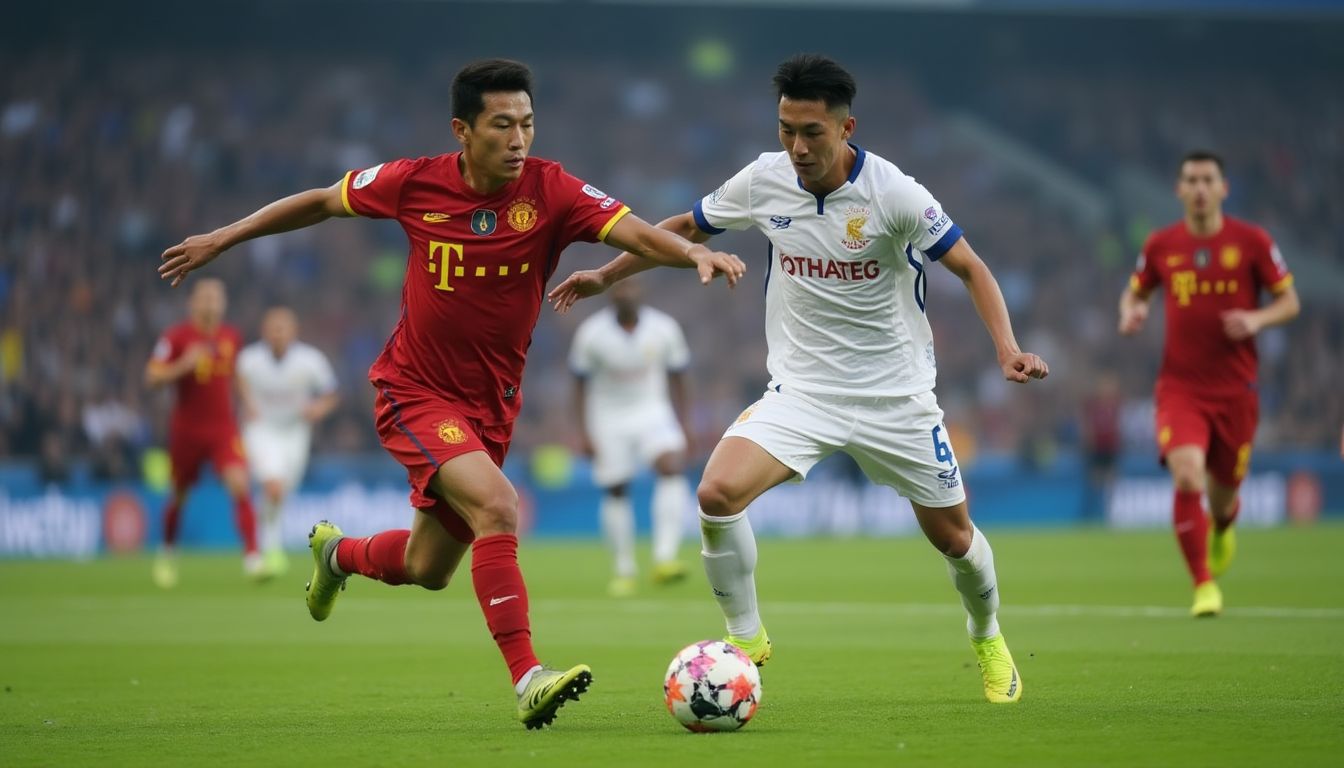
(1135, 285)
(345, 194)
(1282, 285)
(612, 222)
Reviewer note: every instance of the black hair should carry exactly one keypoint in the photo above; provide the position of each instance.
(1203, 155)
(812, 77)
(487, 76)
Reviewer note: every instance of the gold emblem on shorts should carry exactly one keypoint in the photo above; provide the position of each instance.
(746, 414)
(522, 215)
(451, 432)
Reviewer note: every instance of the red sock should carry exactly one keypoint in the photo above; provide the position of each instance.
(1223, 525)
(381, 557)
(503, 597)
(246, 518)
(172, 519)
(1192, 533)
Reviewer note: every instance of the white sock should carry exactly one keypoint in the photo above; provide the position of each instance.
(729, 552)
(670, 493)
(973, 576)
(525, 679)
(271, 536)
(618, 527)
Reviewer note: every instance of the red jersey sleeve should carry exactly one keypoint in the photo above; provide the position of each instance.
(591, 212)
(375, 191)
(1146, 277)
(1271, 272)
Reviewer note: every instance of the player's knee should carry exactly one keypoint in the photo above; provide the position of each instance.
(498, 514)
(716, 497)
(1187, 481)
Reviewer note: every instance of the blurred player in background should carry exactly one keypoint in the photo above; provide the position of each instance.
(1214, 268)
(197, 357)
(287, 386)
(630, 397)
(486, 226)
(850, 350)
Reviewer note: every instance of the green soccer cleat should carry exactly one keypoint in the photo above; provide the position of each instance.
(547, 692)
(669, 572)
(622, 586)
(1222, 548)
(1208, 600)
(1002, 683)
(165, 570)
(757, 648)
(326, 584)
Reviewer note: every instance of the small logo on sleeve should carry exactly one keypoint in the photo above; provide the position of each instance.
(366, 176)
(591, 191)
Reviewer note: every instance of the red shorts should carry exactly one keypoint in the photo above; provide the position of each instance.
(422, 431)
(1223, 426)
(187, 451)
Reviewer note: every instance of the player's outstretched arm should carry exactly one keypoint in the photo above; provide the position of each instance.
(675, 242)
(1133, 310)
(294, 212)
(1017, 365)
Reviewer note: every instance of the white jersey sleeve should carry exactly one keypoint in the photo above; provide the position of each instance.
(914, 216)
(324, 377)
(728, 207)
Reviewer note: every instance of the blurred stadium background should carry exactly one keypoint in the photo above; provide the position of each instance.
(1050, 129)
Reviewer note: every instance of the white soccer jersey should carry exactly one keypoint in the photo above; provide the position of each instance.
(627, 370)
(845, 285)
(282, 388)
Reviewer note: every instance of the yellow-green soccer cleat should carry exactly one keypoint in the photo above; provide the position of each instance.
(1208, 600)
(622, 586)
(325, 584)
(1222, 548)
(547, 692)
(757, 648)
(669, 572)
(165, 570)
(1002, 683)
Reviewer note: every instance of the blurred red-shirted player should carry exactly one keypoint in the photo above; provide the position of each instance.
(1214, 268)
(197, 357)
(486, 226)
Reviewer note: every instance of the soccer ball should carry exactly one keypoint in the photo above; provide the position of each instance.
(712, 686)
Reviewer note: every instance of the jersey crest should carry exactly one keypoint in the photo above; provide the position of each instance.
(855, 219)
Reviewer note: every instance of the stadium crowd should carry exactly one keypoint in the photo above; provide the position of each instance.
(105, 165)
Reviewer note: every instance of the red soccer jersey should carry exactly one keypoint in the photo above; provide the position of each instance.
(204, 403)
(476, 273)
(1205, 277)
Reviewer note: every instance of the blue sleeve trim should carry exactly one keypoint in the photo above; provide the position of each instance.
(702, 222)
(944, 244)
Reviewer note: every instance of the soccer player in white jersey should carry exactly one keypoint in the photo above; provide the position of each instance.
(287, 386)
(628, 361)
(851, 354)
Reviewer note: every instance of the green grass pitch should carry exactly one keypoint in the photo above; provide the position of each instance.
(871, 662)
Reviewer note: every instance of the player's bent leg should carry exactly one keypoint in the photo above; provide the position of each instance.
(432, 553)
(670, 498)
(1224, 506)
(235, 479)
(970, 564)
(738, 471)
(617, 518)
(1191, 524)
(164, 571)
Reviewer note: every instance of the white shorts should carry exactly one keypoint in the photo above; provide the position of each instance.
(897, 441)
(622, 445)
(277, 453)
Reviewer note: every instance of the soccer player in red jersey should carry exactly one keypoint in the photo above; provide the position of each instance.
(1213, 268)
(197, 357)
(486, 226)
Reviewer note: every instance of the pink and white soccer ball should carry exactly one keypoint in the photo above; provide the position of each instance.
(712, 686)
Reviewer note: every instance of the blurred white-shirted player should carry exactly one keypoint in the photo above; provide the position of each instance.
(287, 387)
(851, 354)
(628, 360)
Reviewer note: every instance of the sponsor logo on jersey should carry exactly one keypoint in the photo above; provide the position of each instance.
(451, 432)
(855, 219)
(804, 266)
(591, 191)
(780, 222)
(522, 214)
(1229, 257)
(483, 222)
(435, 218)
(366, 176)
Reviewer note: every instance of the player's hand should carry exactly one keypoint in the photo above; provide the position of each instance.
(710, 264)
(1240, 324)
(1023, 367)
(1132, 318)
(188, 256)
(580, 285)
